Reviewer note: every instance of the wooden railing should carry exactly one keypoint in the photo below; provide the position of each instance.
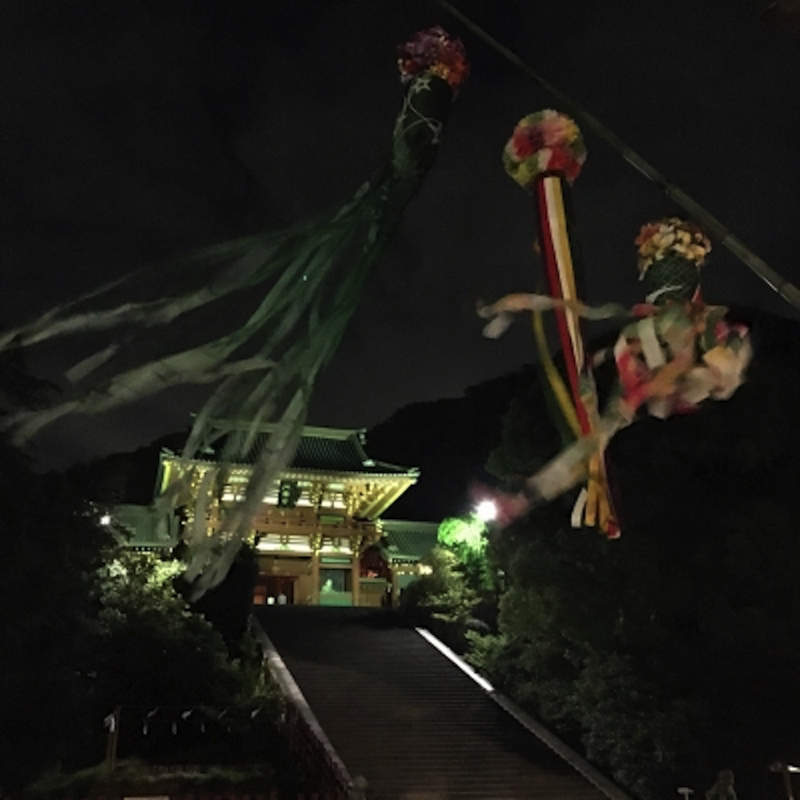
(304, 521)
(319, 760)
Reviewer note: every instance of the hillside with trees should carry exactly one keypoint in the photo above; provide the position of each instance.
(670, 653)
(90, 628)
(665, 656)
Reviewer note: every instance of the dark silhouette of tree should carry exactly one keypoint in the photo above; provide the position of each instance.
(672, 652)
(87, 625)
(52, 546)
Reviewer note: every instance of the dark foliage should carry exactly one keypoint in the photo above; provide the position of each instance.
(87, 626)
(123, 477)
(51, 549)
(669, 653)
(450, 442)
(228, 606)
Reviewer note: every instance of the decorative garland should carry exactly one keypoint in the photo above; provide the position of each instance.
(671, 236)
(433, 50)
(308, 281)
(546, 141)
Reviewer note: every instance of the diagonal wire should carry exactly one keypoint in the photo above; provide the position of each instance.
(787, 290)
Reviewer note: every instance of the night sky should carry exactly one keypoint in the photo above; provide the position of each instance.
(132, 131)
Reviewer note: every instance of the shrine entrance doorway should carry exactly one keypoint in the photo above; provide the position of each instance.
(275, 590)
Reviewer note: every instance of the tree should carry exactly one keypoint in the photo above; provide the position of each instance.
(52, 547)
(153, 650)
(89, 625)
(157, 655)
(465, 537)
(457, 598)
(671, 652)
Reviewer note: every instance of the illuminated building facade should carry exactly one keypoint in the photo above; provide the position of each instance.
(318, 535)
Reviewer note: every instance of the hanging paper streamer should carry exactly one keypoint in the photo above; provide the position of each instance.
(676, 353)
(300, 286)
(545, 154)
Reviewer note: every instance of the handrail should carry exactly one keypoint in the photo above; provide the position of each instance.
(564, 752)
(303, 726)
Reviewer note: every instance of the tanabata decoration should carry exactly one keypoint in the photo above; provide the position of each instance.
(302, 285)
(544, 155)
(674, 352)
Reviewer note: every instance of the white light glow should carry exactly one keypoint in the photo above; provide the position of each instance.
(457, 660)
(105, 520)
(486, 511)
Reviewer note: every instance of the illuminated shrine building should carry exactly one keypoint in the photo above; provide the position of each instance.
(319, 535)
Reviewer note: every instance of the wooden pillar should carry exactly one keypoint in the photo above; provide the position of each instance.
(355, 572)
(395, 587)
(315, 578)
(112, 722)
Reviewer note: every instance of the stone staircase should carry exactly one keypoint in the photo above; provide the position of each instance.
(407, 719)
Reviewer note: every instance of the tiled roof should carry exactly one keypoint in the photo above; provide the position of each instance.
(409, 541)
(324, 450)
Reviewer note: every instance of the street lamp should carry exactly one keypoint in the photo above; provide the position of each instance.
(486, 510)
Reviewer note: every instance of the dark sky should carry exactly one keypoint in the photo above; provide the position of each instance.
(133, 130)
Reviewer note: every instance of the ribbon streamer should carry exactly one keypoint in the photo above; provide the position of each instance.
(296, 291)
(544, 155)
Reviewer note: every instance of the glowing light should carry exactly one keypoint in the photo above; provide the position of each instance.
(457, 660)
(105, 520)
(486, 510)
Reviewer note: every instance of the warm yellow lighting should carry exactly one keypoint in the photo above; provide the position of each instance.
(284, 547)
(337, 549)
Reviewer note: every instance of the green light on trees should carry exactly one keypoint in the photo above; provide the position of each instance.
(466, 536)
